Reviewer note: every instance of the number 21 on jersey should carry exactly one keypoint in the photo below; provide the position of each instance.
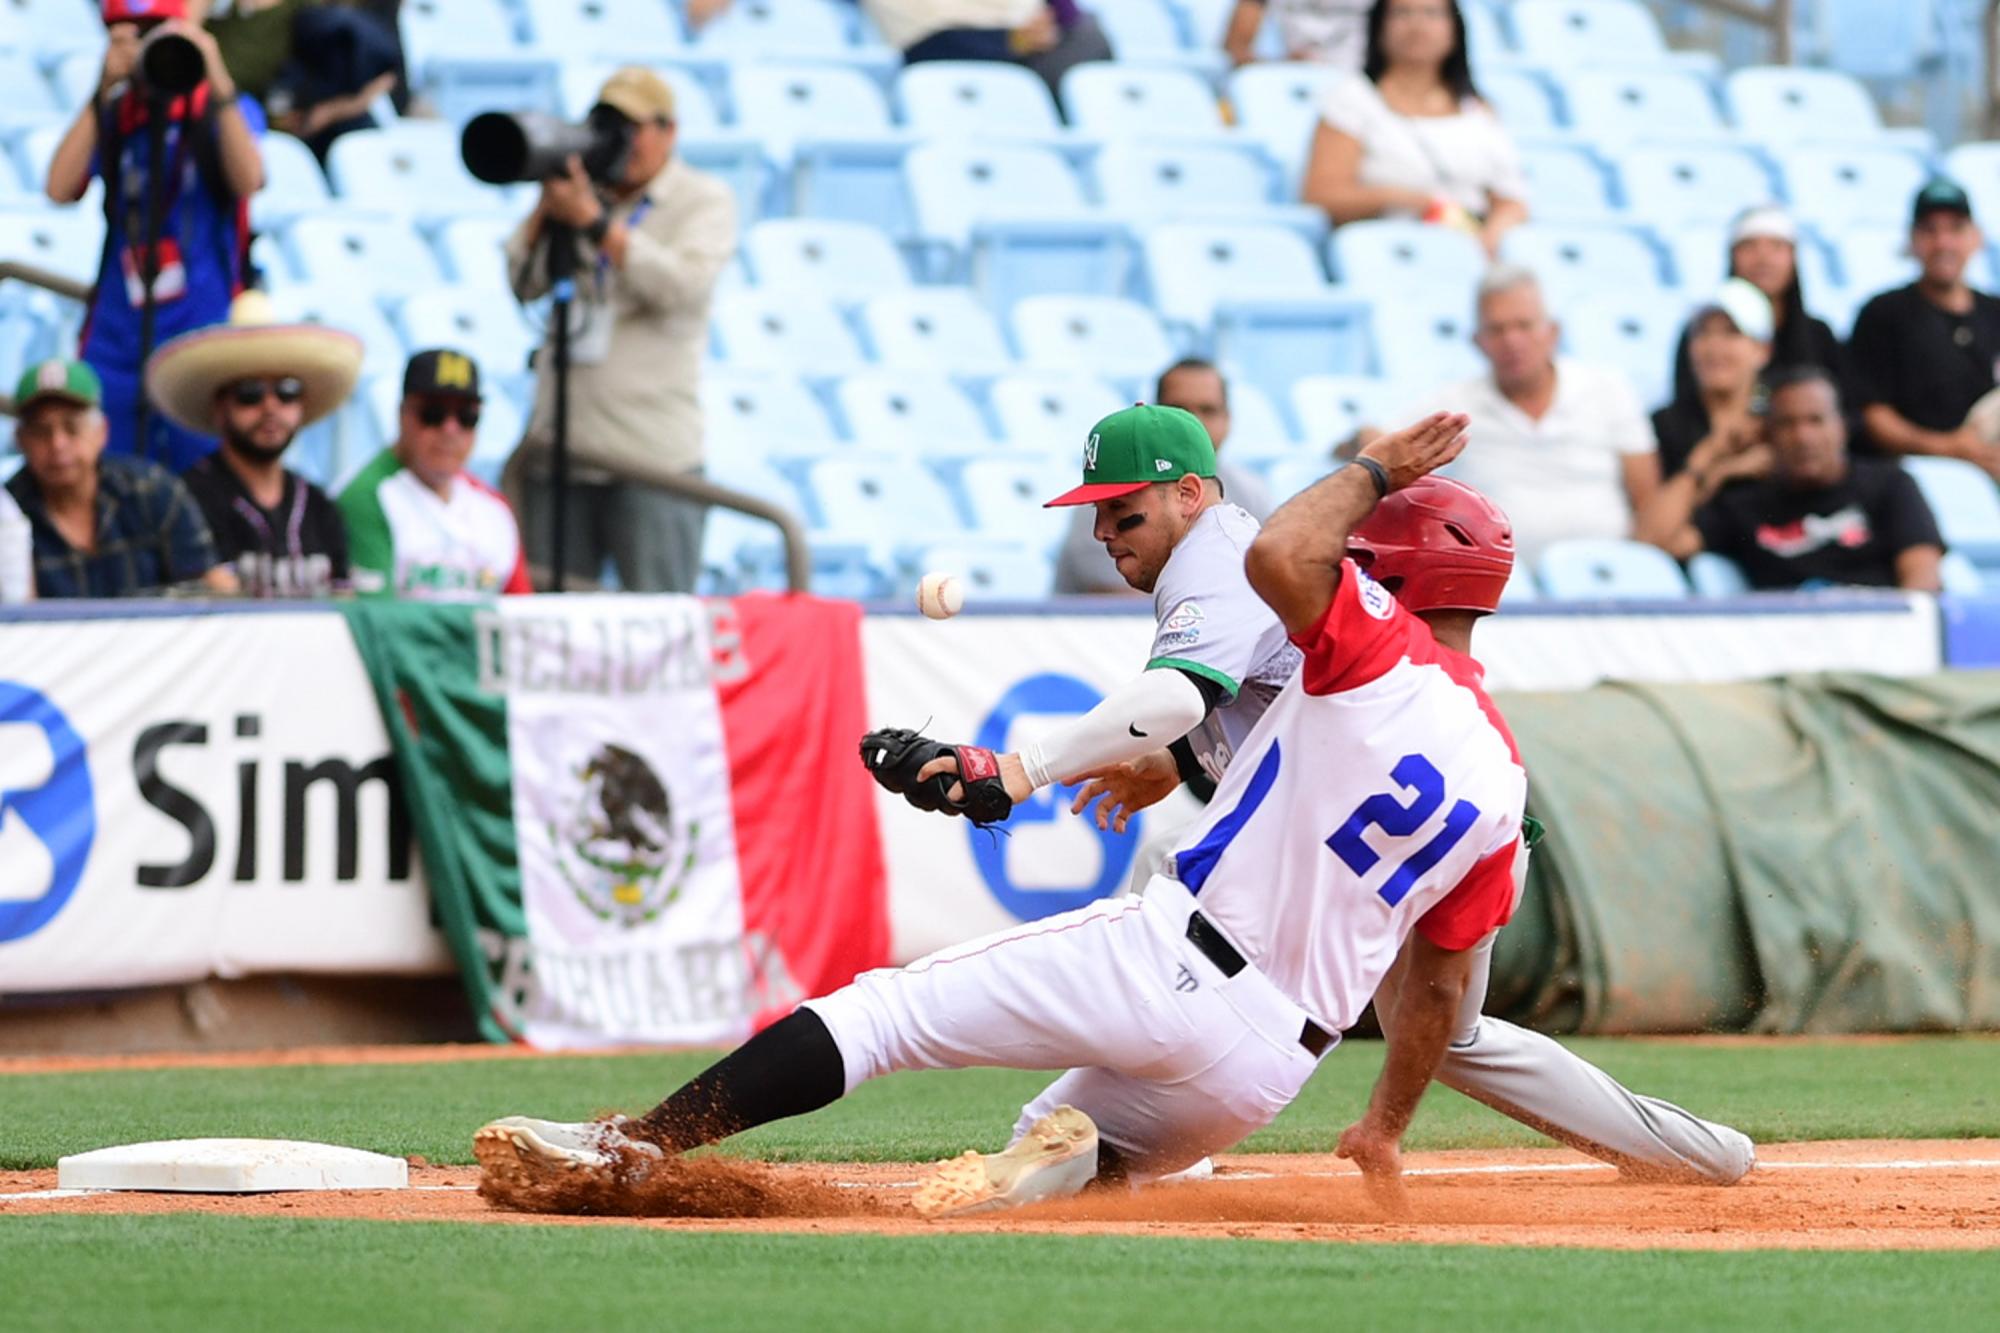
(1401, 816)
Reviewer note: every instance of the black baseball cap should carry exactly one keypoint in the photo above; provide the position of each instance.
(441, 371)
(1941, 194)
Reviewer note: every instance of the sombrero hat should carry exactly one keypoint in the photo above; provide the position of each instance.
(183, 376)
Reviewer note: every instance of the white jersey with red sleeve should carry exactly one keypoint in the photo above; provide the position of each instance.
(1381, 793)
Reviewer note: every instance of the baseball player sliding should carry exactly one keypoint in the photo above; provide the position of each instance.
(1364, 842)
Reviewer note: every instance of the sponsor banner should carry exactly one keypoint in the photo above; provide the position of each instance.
(186, 796)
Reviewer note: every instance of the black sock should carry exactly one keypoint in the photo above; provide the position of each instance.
(788, 1069)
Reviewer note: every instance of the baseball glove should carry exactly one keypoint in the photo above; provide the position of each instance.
(895, 755)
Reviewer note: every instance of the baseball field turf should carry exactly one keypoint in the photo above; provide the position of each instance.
(210, 1270)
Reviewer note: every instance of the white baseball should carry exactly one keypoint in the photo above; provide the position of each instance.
(940, 596)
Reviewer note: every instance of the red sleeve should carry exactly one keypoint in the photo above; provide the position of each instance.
(517, 579)
(1364, 633)
(1481, 903)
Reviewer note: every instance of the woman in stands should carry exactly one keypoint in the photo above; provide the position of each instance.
(1410, 137)
(1715, 428)
(1764, 251)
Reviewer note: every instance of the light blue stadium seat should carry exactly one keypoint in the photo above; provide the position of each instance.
(1586, 569)
(754, 475)
(1050, 412)
(457, 29)
(409, 168)
(1838, 186)
(1161, 182)
(1330, 408)
(629, 31)
(273, 266)
(915, 413)
(761, 414)
(696, 110)
(1670, 184)
(880, 501)
(293, 183)
(1521, 588)
(1277, 103)
(1644, 102)
(1976, 166)
(1575, 33)
(30, 96)
(1966, 503)
(1012, 220)
(975, 99)
(1698, 255)
(776, 330)
(473, 250)
(1098, 335)
(1257, 427)
(845, 262)
(351, 311)
(380, 256)
(1960, 576)
(1390, 256)
(484, 324)
(1008, 496)
(459, 87)
(16, 191)
(1636, 331)
(1486, 39)
(64, 241)
(75, 76)
(1716, 576)
(1521, 99)
(1421, 344)
(1579, 261)
(742, 164)
(995, 570)
(54, 26)
(1194, 266)
(1567, 183)
(1148, 31)
(777, 29)
(1288, 476)
(788, 102)
(941, 329)
(1783, 104)
(1113, 100)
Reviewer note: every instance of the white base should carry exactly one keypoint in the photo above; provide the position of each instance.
(231, 1166)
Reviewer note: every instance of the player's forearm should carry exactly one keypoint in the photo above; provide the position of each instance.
(1157, 708)
(1426, 1011)
(1294, 564)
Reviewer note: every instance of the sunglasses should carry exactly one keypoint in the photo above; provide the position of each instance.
(436, 414)
(249, 393)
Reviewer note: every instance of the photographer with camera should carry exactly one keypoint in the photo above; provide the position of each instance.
(651, 237)
(178, 155)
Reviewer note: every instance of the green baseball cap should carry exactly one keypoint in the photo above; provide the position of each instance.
(71, 381)
(1130, 450)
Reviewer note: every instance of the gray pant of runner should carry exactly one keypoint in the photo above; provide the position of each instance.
(1543, 1084)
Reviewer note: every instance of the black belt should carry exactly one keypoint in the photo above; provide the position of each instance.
(1203, 935)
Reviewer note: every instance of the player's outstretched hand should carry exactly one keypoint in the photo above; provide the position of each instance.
(1419, 450)
(1380, 1157)
(1127, 788)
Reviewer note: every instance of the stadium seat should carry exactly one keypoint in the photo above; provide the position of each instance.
(454, 28)
(1976, 166)
(1048, 411)
(30, 96)
(53, 239)
(1166, 182)
(1257, 428)
(845, 262)
(1635, 331)
(1419, 345)
(1784, 104)
(956, 185)
(1098, 335)
(1966, 503)
(379, 256)
(1287, 477)
(459, 87)
(1839, 186)
(942, 329)
(1112, 100)
(783, 29)
(880, 501)
(784, 103)
(998, 570)
(411, 167)
(1486, 39)
(741, 162)
(352, 311)
(1520, 98)
(1648, 102)
(1960, 576)
(53, 26)
(696, 111)
(1577, 261)
(910, 412)
(1566, 183)
(293, 183)
(761, 414)
(1666, 185)
(629, 31)
(776, 330)
(1194, 266)
(1330, 408)
(1574, 33)
(1008, 497)
(1392, 256)
(754, 475)
(1521, 588)
(975, 99)
(1147, 31)
(474, 252)
(1716, 576)
(1277, 104)
(486, 324)
(1585, 569)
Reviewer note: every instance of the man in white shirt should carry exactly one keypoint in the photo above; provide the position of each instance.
(1563, 447)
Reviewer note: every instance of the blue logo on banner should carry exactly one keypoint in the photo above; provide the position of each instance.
(1049, 693)
(45, 830)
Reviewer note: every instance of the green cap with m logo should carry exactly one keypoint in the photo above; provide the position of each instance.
(1131, 449)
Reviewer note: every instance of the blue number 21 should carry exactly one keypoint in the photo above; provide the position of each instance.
(1400, 819)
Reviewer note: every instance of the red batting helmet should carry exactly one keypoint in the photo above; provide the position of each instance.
(1437, 545)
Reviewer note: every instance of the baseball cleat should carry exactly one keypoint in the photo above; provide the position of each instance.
(1056, 1158)
(519, 1147)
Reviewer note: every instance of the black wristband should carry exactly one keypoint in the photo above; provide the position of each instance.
(597, 230)
(1376, 473)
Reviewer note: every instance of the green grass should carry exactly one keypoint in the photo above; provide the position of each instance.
(209, 1273)
(1946, 1087)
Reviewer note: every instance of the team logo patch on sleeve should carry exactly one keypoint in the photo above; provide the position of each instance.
(1186, 616)
(1375, 599)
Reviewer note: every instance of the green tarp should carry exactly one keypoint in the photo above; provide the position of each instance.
(1813, 854)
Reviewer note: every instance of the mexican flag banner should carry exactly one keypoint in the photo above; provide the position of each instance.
(642, 818)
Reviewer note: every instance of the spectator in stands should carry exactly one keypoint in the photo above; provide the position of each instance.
(1922, 355)
(652, 251)
(1047, 37)
(256, 383)
(1729, 344)
(419, 524)
(204, 146)
(1197, 387)
(316, 65)
(1561, 446)
(1408, 136)
(104, 525)
(1819, 517)
(1763, 251)
(1328, 32)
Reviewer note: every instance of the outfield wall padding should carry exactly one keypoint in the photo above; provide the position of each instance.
(1818, 853)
